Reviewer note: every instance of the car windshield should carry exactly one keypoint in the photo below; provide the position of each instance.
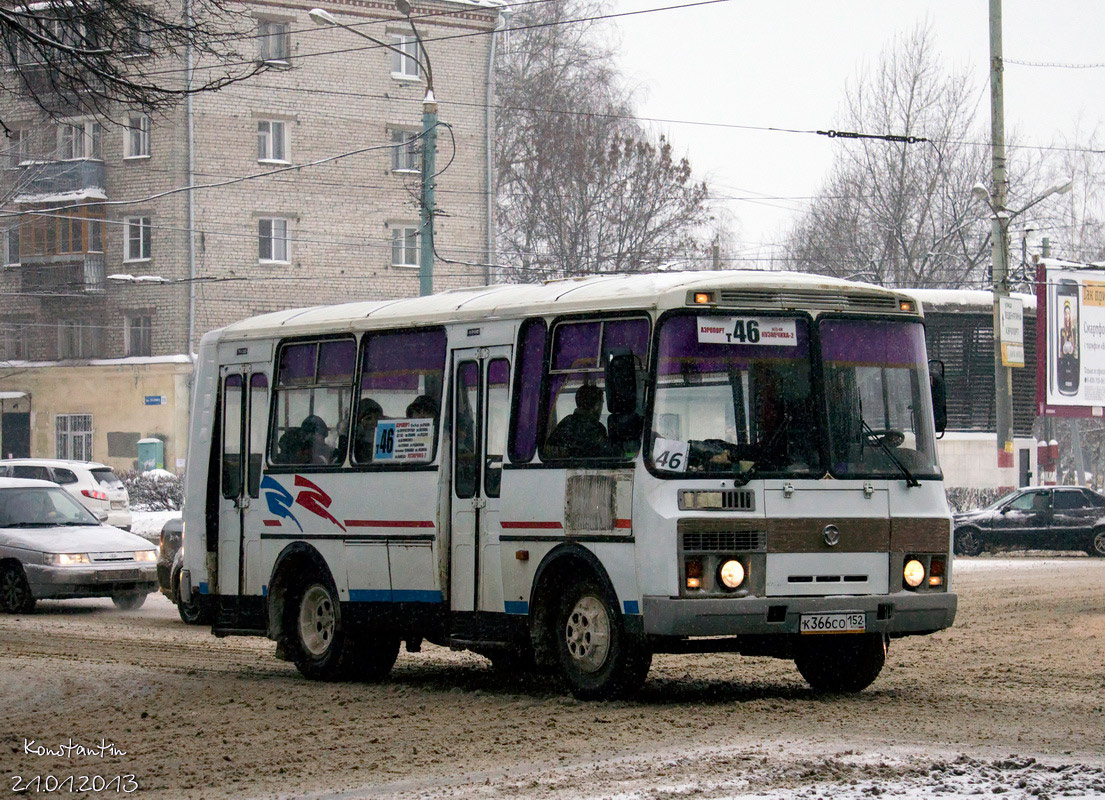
(41, 507)
(877, 397)
(734, 397)
(106, 478)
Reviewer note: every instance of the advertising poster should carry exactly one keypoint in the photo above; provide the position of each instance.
(1075, 340)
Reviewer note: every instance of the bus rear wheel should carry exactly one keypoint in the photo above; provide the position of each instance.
(845, 663)
(598, 658)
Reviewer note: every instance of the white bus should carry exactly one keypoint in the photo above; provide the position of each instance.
(574, 475)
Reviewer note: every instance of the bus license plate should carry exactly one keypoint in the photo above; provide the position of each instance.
(849, 622)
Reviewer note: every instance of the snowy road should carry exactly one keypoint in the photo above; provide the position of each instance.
(1010, 702)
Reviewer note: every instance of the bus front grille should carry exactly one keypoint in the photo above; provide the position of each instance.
(724, 541)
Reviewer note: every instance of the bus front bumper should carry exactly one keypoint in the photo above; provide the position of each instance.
(901, 613)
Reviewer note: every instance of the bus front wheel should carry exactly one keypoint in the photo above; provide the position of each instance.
(844, 663)
(598, 658)
(317, 640)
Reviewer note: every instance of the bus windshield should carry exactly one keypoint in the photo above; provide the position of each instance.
(877, 393)
(734, 397)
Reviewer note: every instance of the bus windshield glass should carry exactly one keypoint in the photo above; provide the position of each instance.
(877, 394)
(734, 397)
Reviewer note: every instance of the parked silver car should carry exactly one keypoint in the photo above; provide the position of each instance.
(52, 547)
(93, 484)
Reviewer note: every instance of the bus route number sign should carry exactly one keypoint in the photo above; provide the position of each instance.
(403, 440)
(771, 331)
(670, 454)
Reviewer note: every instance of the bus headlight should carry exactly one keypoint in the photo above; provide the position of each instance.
(914, 573)
(731, 573)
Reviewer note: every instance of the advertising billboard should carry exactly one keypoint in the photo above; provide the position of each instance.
(1071, 341)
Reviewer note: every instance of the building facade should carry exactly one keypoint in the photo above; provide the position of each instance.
(126, 239)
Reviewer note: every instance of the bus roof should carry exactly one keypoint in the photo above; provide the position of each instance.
(761, 289)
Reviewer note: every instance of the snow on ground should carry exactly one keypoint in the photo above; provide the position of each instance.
(148, 524)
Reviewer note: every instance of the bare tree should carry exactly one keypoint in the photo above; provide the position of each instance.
(897, 213)
(582, 187)
(90, 56)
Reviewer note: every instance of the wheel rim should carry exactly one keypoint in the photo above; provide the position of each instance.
(11, 589)
(587, 633)
(1099, 543)
(317, 620)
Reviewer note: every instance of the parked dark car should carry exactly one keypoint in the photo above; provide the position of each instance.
(169, 561)
(1037, 518)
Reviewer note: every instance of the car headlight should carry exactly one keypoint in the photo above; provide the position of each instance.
(66, 559)
(913, 573)
(145, 555)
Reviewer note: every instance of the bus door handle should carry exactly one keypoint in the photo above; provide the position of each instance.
(242, 503)
(478, 502)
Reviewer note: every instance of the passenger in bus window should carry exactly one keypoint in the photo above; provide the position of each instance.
(293, 448)
(580, 434)
(315, 431)
(369, 413)
(422, 407)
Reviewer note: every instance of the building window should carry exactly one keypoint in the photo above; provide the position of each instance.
(272, 239)
(15, 339)
(405, 151)
(78, 339)
(18, 146)
(274, 38)
(80, 139)
(272, 141)
(74, 436)
(11, 249)
(137, 234)
(404, 246)
(62, 232)
(138, 334)
(136, 137)
(405, 64)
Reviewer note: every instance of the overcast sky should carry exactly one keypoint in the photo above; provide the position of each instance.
(785, 64)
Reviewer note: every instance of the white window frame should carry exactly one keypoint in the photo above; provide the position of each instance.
(15, 344)
(405, 67)
(73, 436)
(138, 323)
(80, 140)
(404, 254)
(136, 137)
(137, 239)
(84, 336)
(19, 146)
(406, 151)
(272, 141)
(274, 40)
(273, 240)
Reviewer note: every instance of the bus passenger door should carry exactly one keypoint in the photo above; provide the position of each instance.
(244, 417)
(481, 407)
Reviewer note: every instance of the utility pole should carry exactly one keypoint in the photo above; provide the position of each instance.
(429, 152)
(1003, 377)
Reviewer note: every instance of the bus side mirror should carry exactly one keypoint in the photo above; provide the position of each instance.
(939, 395)
(621, 381)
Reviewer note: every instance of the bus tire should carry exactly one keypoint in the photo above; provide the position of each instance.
(841, 664)
(15, 592)
(598, 659)
(374, 657)
(315, 638)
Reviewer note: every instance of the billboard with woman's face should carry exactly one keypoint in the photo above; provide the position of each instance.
(1073, 380)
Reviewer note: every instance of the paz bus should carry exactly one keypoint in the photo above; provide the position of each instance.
(574, 476)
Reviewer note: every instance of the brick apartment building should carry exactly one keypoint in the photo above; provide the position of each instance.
(90, 363)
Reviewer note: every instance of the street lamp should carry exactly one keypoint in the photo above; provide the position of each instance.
(429, 138)
(1000, 219)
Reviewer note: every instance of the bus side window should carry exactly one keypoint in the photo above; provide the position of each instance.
(313, 383)
(402, 373)
(575, 412)
(258, 427)
(527, 388)
(498, 408)
(232, 437)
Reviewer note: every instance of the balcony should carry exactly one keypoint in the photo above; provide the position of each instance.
(56, 181)
(80, 273)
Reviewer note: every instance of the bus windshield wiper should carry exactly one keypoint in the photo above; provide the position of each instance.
(909, 479)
